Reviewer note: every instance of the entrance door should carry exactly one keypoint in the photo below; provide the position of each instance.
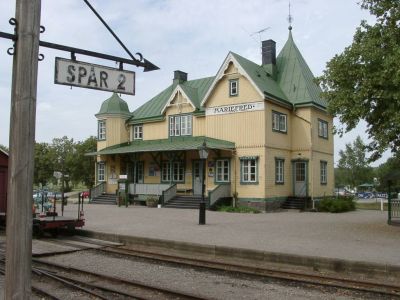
(300, 184)
(197, 172)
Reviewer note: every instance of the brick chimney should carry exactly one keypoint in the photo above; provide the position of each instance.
(179, 76)
(268, 50)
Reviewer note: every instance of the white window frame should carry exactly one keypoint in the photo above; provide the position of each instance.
(222, 171)
(180, 125)
(322, 129)
(233, 87)
(279, 170)
(279, 122)
(174, 174)
(248, 171)
(138, 132)
(323, 172)
(101, 171)
(101, 130)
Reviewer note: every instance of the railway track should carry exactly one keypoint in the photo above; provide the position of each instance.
(102, 286)
(366, 286)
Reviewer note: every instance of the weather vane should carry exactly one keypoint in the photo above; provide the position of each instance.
(290, 18)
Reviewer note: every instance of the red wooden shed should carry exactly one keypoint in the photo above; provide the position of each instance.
(3, 181)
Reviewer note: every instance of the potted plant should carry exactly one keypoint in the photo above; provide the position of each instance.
(152, 201)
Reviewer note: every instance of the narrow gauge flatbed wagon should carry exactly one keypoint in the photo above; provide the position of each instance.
(51, 222)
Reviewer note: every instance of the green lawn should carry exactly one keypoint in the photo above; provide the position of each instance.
(371, 206)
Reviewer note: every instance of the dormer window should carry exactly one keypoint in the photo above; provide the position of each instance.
(180, 125)
(233, 87)
(138, 132)
(101, 130)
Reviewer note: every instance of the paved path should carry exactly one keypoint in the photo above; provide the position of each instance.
(358, 236)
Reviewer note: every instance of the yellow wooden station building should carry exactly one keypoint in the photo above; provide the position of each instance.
(266, 130)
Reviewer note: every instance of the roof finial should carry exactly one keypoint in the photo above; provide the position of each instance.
(290, 19)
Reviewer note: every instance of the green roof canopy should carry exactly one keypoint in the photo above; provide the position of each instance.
(295, 77)
(114, 105)
(291, 82)
(163, 145)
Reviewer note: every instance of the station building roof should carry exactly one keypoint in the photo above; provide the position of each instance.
(165, 145)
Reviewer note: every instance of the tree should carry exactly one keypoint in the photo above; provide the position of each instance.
(4, 148)
(363, 82)
(44, 164)
(64, 149)
(390, 170)
(353, 164)
(83, 166)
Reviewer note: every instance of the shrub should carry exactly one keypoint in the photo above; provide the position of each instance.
(152, 201)
(239, 209)
(337, 205)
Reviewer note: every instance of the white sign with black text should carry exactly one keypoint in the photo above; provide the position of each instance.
(92, 76)
(235, 108)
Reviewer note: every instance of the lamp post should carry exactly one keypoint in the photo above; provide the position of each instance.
(203, 153)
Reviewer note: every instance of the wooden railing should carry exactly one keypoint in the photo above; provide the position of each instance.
(97, 190)
(168, 194)
(147, 188)
(220, 191)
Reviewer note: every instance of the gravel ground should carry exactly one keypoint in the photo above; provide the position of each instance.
(359, 235)
(218, 285)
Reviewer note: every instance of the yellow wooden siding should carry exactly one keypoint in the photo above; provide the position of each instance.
(244, 129)
(323, 189)
(271, 188)
(273, 138)
(116, 133)
(300, 129)
(199, 126)
(319, 143)
(156, 130)
(220, 95)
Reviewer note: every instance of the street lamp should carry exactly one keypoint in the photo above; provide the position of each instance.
(203, 153)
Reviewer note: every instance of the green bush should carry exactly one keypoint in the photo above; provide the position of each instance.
(239, 209)
(152, 200)
(336, 205)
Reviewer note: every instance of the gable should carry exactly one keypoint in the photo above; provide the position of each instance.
(179, 99)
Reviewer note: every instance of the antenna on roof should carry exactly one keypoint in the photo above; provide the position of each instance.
(259, 32)
(290, 18)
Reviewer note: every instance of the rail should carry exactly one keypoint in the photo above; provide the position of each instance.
(394, 211)
(168, 194)
(97, 190)
(147, 188)
(221, 191)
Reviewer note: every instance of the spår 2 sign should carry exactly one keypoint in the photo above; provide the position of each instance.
(92, 76)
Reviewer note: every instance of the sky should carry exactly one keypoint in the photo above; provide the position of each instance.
(193, 36)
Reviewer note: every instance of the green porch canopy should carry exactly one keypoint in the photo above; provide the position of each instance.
(164, 145)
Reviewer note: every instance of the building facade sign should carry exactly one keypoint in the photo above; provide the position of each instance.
(235, 108)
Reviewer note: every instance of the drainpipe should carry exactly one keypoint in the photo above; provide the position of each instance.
(311, 156)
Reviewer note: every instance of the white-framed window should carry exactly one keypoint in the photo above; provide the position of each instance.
(174, 171)
(180, 125)
(324, 167)
(322, 129)
(222, 170)
(279, 122)
(101, 171)
(101, 130)
(248, 170)
(166, 171)
(138, 132)
(279, 171)
(234, 87)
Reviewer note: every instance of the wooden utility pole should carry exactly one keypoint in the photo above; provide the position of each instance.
(22, 141)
